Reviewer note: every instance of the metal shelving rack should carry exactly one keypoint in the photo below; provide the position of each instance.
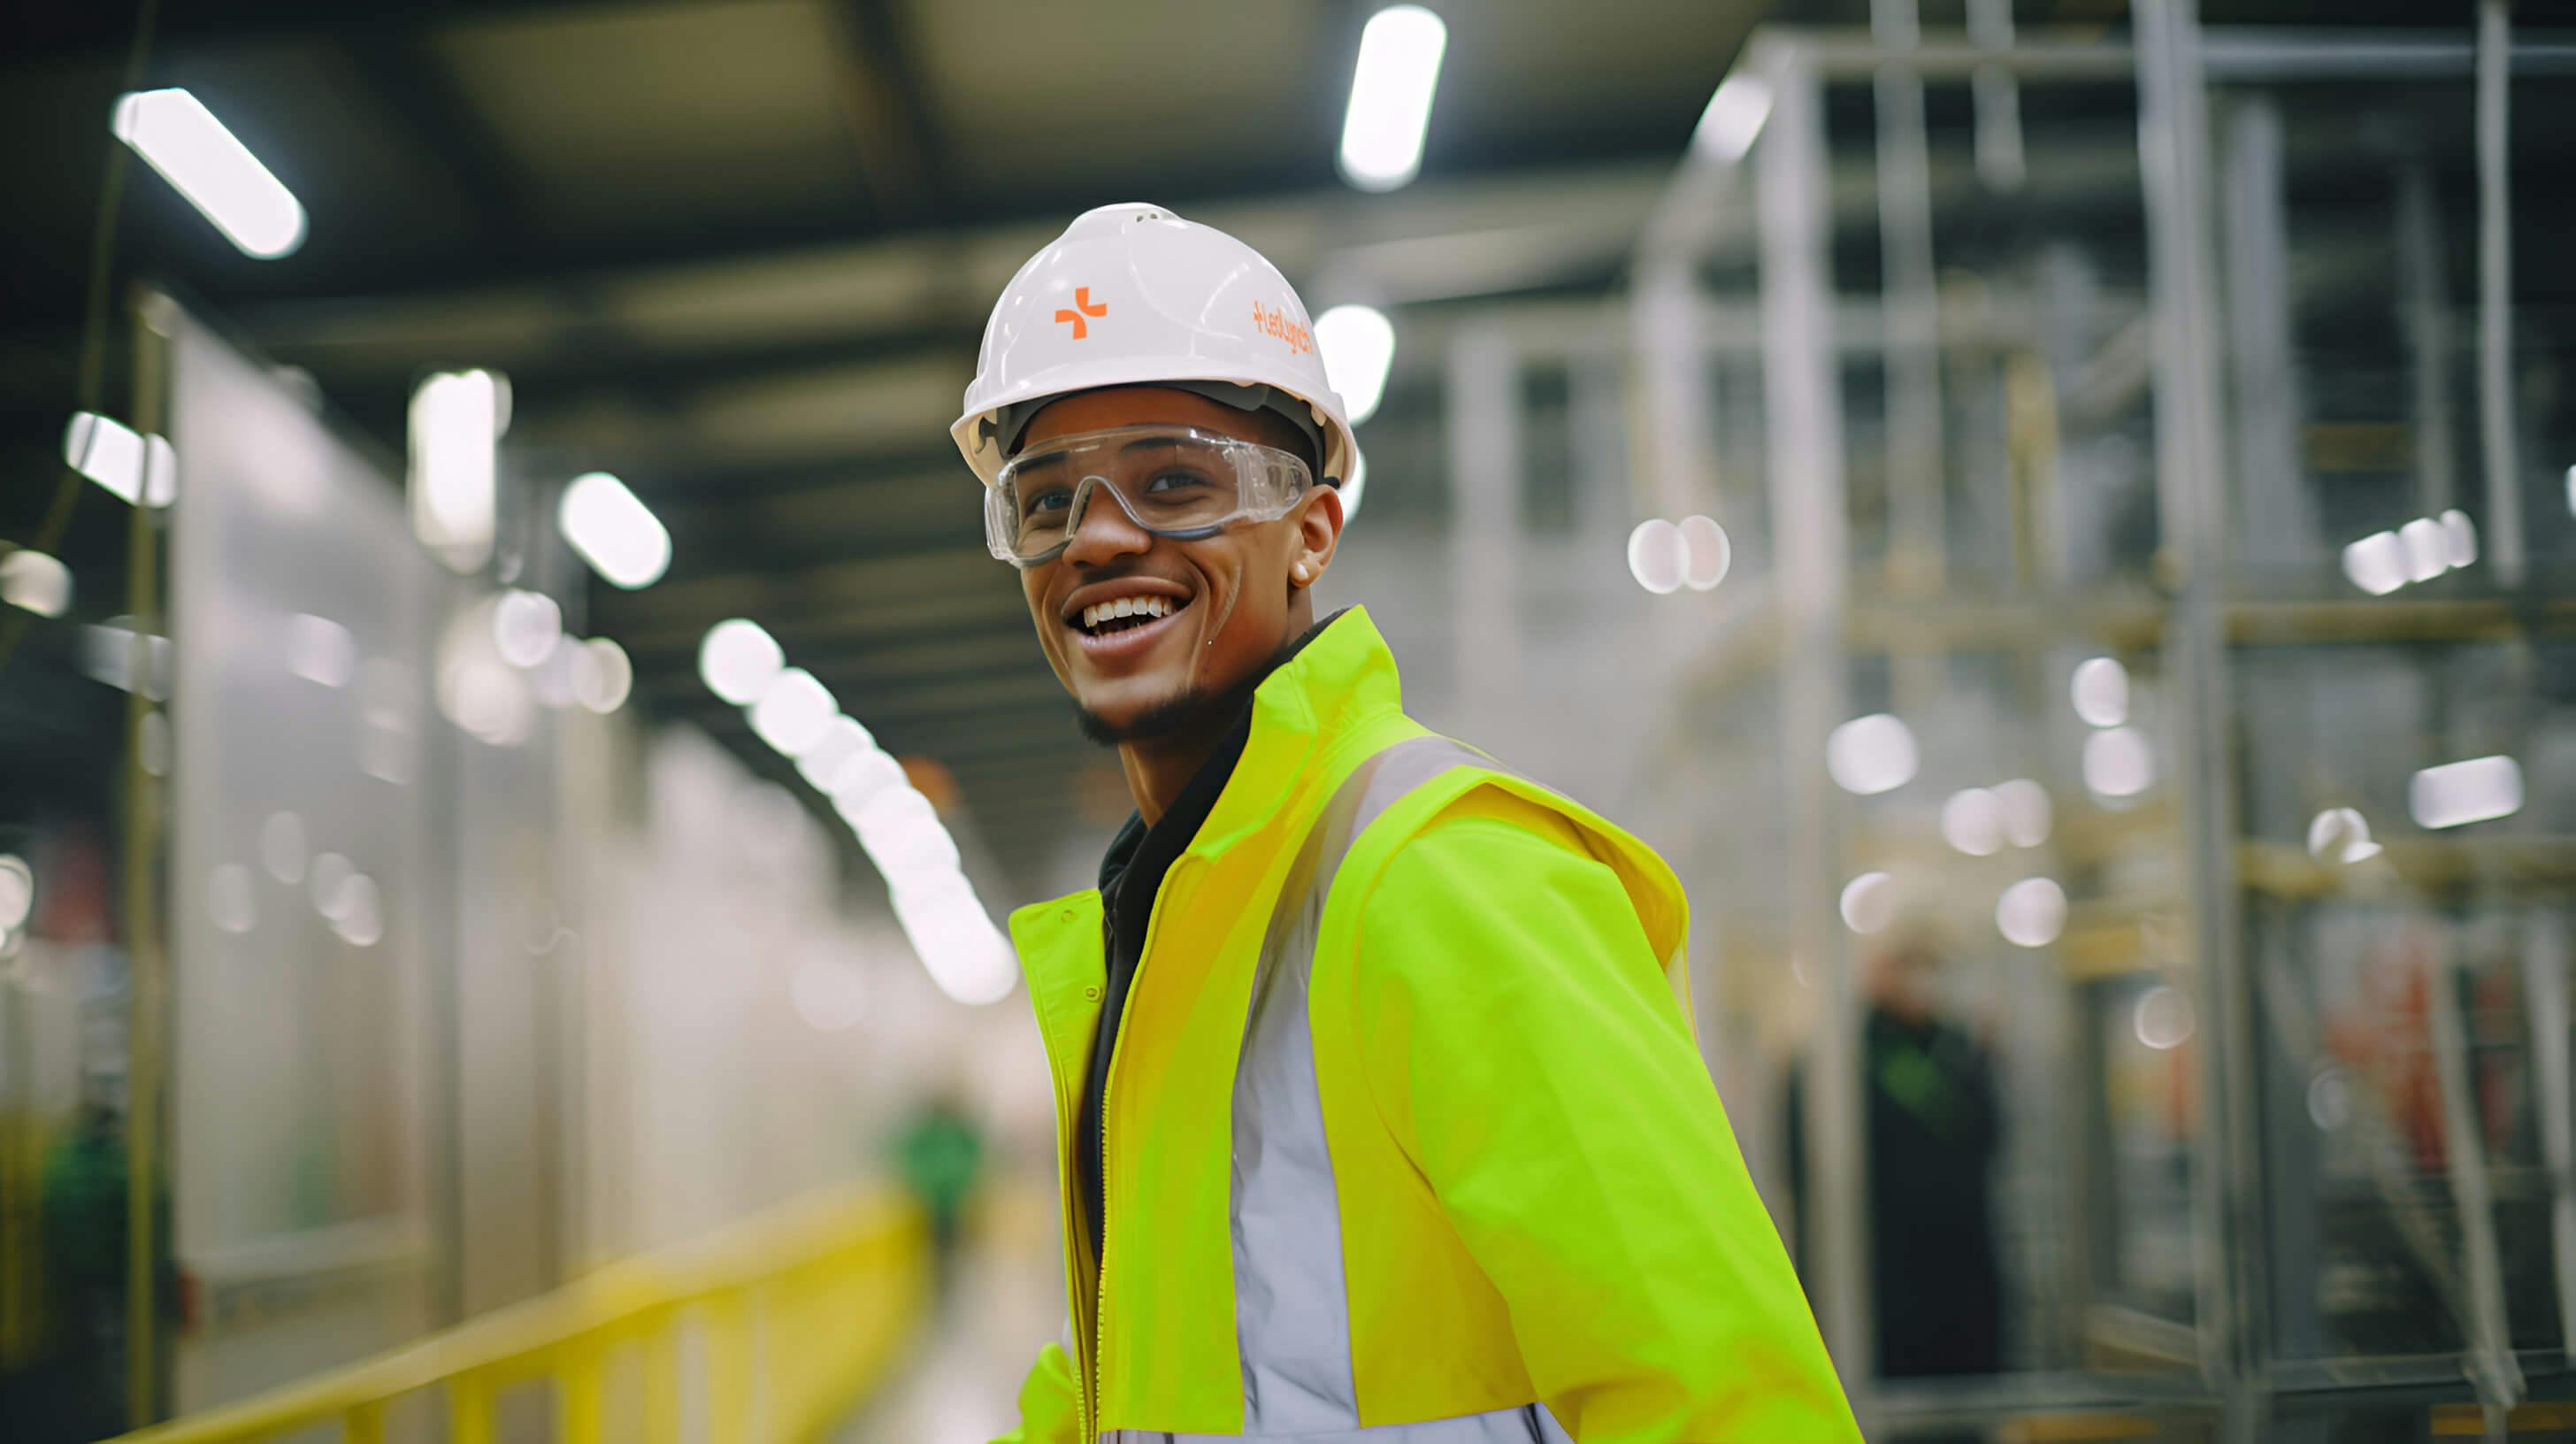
(1740, 284)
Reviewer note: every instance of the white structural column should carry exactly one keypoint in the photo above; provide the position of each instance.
(2173, 151)
(1810, 544)
(2495, 298)
(1485, 524)
(2275, 511)
(2428, 335)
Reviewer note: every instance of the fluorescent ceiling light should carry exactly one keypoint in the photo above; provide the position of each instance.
(2031, 913)
(621, 539)
(175, 132)
(1870, 755)
(456, 424)
(2427, 547)
(1391, 88)
(1728, 128)
(2376, 563)
(2456, 794)
(1706, 552)
(1973, 821)
(2100, 688)
(842, 740)
(35, 581)
(739, 660)
(602, 675)
(526, 626)
(320, 650)
(793, 712)
(2118, 762)
(1358, 345)
(964, 953)
(2027, 812)
(1869, 902)
(139, 469)
(1658, 556)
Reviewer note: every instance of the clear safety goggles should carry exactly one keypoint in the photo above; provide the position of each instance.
(1172, 481)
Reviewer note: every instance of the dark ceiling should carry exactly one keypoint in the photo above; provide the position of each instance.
(740, 253)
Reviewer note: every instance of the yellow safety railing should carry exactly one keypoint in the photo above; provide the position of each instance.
(772, 1329)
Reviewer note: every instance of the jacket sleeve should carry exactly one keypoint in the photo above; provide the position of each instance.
(1519, 1034)
(1049, 1413)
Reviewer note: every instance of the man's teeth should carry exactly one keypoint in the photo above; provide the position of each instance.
(1147, 607)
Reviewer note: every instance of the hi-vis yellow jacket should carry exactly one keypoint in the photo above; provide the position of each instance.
(1405, 1137)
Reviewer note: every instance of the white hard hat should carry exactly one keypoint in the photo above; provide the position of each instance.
(1132, 295)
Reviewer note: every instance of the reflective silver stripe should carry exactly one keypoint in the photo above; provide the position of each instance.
(1528, 1424)
(1291, 1310)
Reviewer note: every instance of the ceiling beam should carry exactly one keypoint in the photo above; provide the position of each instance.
(902, 153)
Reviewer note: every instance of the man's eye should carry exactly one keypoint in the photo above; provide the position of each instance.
(1049, 501)
(1176, 480)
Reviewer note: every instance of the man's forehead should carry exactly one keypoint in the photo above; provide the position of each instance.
(1119, 406)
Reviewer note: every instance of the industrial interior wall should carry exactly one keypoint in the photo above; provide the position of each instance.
(456, 1015)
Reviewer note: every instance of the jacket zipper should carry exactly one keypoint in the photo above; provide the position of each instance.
(1100, 1266)
(1100, 1308)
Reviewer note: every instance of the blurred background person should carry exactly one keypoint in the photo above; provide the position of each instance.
(1935, 1131)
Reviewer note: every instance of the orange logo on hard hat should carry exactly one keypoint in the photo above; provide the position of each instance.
(1275, 322)
(1082, 307)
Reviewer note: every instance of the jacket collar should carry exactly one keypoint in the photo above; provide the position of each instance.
(1341, 679)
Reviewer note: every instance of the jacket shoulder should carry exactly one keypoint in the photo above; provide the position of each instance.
(1466, 804)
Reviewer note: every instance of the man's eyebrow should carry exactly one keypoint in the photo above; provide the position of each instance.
(1148, 443)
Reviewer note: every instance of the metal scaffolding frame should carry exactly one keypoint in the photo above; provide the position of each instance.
(1813, 619)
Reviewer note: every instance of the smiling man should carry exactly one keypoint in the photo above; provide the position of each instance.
(1379, 1115)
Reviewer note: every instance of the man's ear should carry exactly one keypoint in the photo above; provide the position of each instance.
(1318, 532)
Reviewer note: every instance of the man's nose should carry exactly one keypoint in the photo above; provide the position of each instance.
(1104, 530)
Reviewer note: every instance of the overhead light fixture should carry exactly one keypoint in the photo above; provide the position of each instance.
(738, 660)
(526, 626)
(793, 712)
(35, 581)
(1869, 902)
(141, 470)
(844, 739)
(1358, 347)
(456, 423)
(2419, 551)
(2118, 763)
(1733, 120)
(602, 675)
(619, 536)
(2031, 913)
(1658, 556)
(1973, 822)
(179, 137)
(2163, 1018)
(964, 953)
(17, 890)
(1391, 90)
(860, 778)
(1872, 754)
(2026, 810)
(2459, 793)
(2100, 689)
(2376, 563)
(1707, 554)
(320, 650)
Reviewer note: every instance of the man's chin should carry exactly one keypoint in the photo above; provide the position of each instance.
(1118, 726)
